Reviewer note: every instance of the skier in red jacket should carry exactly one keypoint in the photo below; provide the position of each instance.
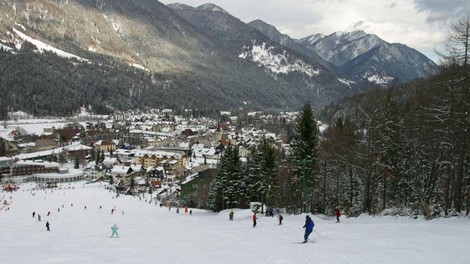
(338, 214)
(254, 219)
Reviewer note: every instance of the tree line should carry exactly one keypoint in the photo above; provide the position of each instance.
(403, 150)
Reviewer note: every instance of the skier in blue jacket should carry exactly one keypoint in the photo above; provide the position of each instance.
(308, 227)
(114, 228)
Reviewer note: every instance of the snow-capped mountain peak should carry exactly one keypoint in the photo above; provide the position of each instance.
(212, 8)
(363, 56)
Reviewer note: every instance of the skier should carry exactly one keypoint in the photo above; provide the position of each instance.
(49, 213)
(114, 228)
(308, 227)
(338, 214)
(34, 213)
(47, 226)
(39, 217)
(254, 219)
(230, 216)
(280, 219)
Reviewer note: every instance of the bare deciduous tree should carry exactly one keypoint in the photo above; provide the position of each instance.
(457, 45)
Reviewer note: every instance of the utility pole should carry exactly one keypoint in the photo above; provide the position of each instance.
(304, 195)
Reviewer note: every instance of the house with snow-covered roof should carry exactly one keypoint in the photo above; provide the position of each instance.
(123, 171)
(110, 162)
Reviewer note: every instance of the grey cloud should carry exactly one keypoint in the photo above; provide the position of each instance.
(443, 10)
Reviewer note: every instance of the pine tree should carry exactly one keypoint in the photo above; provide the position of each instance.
(305, 147)
(102, 156)
(390, 149)
(232, 190)
(339, 179)
(76, 165)
(253, 177)
(97, 156)
(269, 173)
(3, 149)
(225, 190)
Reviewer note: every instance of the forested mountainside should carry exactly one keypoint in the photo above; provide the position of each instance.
(412, 153)
(176, 57)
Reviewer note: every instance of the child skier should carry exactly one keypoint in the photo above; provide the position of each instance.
(114, 228)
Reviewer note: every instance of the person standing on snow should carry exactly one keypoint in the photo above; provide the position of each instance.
(47, 226)
(230, 216)
(280, 219)
(338, 214)
(114, 228)
(308, 227)
(254, 219)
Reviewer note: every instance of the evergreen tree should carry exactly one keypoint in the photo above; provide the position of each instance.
(76, 165)
(92, 154)
(305, 147)
(225, 190)
(232, 191)
(390, 151)
(339, 179)
(97, 156)
(3, 148)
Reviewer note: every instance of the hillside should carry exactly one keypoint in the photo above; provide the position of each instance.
(307, 77)
(106, 55)
(129, 33)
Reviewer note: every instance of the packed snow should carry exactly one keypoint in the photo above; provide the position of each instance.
(81, 233)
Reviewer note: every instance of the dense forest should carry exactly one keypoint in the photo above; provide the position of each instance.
(403, 150)
(44, 84)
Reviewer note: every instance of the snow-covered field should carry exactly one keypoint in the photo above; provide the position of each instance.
(150, 234)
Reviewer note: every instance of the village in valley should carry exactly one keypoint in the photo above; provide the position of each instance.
(171, 157)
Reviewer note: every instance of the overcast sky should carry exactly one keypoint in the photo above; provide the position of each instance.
(420, 24)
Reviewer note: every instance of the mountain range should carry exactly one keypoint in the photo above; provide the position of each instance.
(181, 57)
